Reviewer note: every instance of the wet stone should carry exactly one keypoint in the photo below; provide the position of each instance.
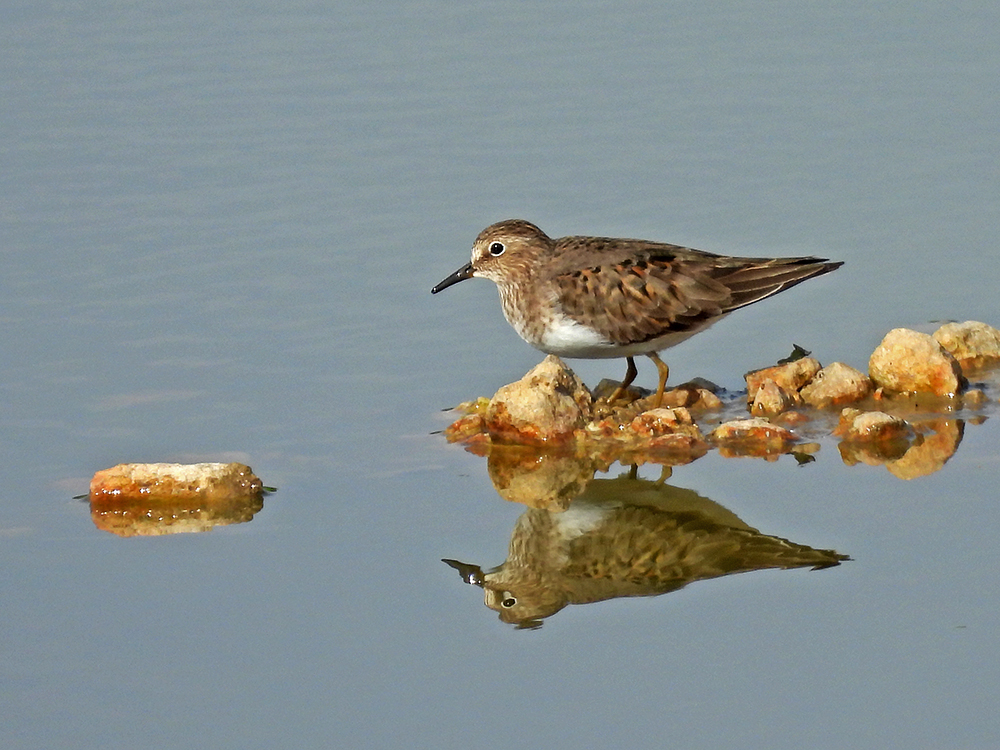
(752, 430)
(771, 400)
(836, 384)
(790, 377)
(973, 344)
(872, 426)
(546, 406)
(908, 361)
(657, 422)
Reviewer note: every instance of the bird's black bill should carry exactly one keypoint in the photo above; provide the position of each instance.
(463, 273)
(470, 573)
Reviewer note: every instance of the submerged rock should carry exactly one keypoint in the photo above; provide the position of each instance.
(873, 437)
(872, 426)
(658, 422)
(753, 437)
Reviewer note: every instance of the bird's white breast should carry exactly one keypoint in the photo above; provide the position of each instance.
(565, 337)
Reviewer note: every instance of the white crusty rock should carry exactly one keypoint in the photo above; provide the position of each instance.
(172, 481)
(872, 426)
(754, 429)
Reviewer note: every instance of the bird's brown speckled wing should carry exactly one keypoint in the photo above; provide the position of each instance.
(633, 291)
(638, 551)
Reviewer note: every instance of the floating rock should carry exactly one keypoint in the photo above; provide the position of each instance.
(155, 499)
(975, 345)
(545, 407)
(835, 385)
(205, 481)
(908, 361)
(771, 399)
(790, 377)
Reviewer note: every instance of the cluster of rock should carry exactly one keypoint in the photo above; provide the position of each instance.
(908, 372)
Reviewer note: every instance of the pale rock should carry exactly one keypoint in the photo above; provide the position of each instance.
(908, 361)
(771, 399)
(835, 385)
(975, 345)
(172, 481)
(752, 430)
(872, 426)
(790, 376)
(544, 407)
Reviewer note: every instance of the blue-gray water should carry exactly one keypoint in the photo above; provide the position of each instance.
(219, 228)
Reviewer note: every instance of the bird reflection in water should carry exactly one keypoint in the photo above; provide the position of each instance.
(626, 537)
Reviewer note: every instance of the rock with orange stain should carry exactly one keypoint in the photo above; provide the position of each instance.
(154, 499)
(771, 399)
(790, 377)
(659, 422)
(545, 407)
(911, 362)
(465, 428)
(753, 437)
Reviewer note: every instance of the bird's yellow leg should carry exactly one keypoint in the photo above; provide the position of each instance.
(630, 373)
(664, 374)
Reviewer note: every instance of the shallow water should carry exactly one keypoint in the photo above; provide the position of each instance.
(220, 228)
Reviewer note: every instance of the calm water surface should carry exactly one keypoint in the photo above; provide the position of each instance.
(220, 225)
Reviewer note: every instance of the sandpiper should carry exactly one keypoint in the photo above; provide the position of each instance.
(603, 297)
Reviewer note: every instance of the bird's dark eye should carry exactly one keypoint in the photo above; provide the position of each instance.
(508, 602)
(496, 249)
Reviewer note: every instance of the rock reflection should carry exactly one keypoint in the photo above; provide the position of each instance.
(923, 452)
(158, 517)
(621, 538)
